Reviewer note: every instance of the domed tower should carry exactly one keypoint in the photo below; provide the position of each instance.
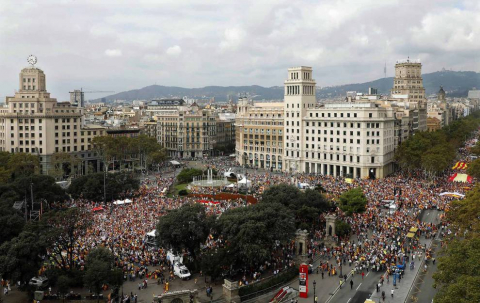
(441, 95)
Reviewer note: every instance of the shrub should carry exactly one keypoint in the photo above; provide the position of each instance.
(182, 192)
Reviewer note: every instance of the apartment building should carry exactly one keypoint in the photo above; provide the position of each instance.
(259, 134)
(33, 122)
(185, 130)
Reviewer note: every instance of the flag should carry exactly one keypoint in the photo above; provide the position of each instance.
(460, 165)
(460, 178)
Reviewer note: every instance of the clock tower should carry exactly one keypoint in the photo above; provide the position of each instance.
(299, 97)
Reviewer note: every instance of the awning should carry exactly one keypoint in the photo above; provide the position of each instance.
(413, 230)
(410, 235)
(173, 162)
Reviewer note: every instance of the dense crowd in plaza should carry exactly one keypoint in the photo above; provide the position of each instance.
(376, 241)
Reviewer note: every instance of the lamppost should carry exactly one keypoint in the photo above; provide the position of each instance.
(314, 297)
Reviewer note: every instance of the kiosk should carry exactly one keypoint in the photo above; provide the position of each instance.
(303, 281)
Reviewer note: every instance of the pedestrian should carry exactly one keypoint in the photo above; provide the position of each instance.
(363, 274)
(316, 299)
(351, 284)
(322, 274)
(433, 261)
(341, 281)
(392, 292)
(383, 296)
(378, 287)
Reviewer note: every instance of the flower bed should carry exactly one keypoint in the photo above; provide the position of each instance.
(226, 196)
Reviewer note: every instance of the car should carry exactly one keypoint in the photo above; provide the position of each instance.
(38, 281)
(181, 271)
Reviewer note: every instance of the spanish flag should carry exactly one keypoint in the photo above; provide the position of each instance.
(460, 178)
(460, 165)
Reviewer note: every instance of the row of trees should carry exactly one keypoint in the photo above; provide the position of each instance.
(458, 274)
(434, 152)
(91, 187)
(137, 152)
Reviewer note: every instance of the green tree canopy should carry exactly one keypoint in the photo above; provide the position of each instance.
(252, 232)
(187, 174)
(91, 186)
(184, 228)
(100, 270)
(353, 201)
(473, 169)
(458, 274)
(306, 205)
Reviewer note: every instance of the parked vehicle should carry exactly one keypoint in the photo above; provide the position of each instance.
(181, 271)
(38, 281)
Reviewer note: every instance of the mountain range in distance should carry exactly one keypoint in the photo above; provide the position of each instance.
(455, 84)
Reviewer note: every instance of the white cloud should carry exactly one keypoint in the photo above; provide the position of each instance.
(231, 42)
(174, 50)
(113, 52)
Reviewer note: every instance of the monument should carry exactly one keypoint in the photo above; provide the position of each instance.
(230, 291)
(330, 229)
(180, 296)
(301, 252)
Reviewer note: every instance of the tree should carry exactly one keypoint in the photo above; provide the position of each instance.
(184, 228)
(353, 201)
(251, 233)
(306, 205)
(474, 169)
(100, 270)
(63, 164)
(157, 157)
(187, 174)
(11, 222)
(458, 274)
(64, 230)
(23, 164)
(91, 186)
(21, 257)
(342, 228)
(63, 286)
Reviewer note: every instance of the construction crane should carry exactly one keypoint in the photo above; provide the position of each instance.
(77, 96)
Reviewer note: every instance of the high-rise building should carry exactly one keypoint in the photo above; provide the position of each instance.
(299, 97)
(33, 122)
(408, 88)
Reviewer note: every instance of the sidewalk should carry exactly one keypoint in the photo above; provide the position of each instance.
(402, 289)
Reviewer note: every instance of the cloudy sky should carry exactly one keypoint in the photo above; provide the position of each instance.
(118, 45)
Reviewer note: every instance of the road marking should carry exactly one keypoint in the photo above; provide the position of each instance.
(358, 286)
(367, 274)
(349, 300)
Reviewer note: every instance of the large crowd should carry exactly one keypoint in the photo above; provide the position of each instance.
(378, 236)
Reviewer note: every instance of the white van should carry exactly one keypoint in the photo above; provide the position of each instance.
(181, 271)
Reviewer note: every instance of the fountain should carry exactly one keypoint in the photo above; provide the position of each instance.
(209, 180)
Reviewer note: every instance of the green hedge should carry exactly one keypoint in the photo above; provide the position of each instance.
(282, 277)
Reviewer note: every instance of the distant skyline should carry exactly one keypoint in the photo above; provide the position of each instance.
(119, 45)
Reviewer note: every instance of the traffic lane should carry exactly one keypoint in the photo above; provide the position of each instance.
(366, 285)
(430, 216)
(427, 292)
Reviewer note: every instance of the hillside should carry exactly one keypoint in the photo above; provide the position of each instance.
(456, 84)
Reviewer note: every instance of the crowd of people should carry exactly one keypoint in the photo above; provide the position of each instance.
(377, 239)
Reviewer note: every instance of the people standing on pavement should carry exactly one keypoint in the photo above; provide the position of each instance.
(392, 292)
(351, 284)
(383, 296)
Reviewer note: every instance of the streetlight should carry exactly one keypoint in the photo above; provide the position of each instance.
(314, 297)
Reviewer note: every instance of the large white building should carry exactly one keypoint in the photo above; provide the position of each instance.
(354, 139)
(33, 122)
